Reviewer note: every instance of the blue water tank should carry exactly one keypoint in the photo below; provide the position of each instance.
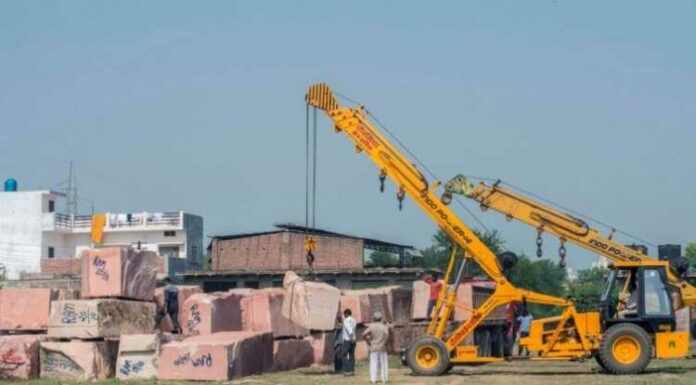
(10, 185)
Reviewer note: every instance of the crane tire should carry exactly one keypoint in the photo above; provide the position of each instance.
(428, 356)
(625, 349)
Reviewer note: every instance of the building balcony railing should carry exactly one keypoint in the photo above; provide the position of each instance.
(117, 221)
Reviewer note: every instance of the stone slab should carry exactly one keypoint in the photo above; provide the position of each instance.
(262, 312)
(138, 355)
(217, 357)
(323, 346)
(207, 313)
(100, 318)
(25, 309)
(312, 305)
(291, 354)
(419, 304)
(19, 357)
(78, 360)
(119, 272)
(399, 303)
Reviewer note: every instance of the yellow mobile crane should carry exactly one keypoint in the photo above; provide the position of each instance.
(625, 347)
(657, 288)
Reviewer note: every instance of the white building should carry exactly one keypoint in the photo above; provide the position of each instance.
(31, 229)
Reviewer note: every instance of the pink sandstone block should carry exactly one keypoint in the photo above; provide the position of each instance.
(119, 272)
(323, 346)
(138, 355)
(19, 357)
(185, 291)
(25, 309)
(292, 354)
(206, 313)
(312, 305)
(100, 318)
(399, 303)
(78, 360)
(359, 304)
(420, 297)
(262, 312)
(217, 357)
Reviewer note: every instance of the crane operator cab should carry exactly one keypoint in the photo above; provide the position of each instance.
(638, 317)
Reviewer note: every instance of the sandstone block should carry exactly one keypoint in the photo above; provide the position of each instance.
(292, 354)
(206, 313)
(217, 357)
(359, 304)
(403, 335)
(419, 303)
(99, 318)
(323, 346)
(119, 272)
(78, 360)
(185, 291)
(19, 357)
(138, 355)
(312, 305)
(399, 303)
(262, 312)
(25, 309)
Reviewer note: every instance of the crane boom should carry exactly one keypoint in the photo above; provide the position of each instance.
(562, 225)
(392, 163)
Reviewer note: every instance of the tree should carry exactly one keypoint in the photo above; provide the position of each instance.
(691, 254)
(383, 258)
(587, 289)
(540, 275)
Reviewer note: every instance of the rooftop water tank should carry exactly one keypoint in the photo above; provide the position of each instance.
(10, 185)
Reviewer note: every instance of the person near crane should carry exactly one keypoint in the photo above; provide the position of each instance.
(348, 346)
(376, 335)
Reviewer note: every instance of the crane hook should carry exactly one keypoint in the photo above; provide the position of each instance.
(382, 178)
(400, 195)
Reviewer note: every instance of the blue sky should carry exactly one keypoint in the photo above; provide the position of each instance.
(199, 106)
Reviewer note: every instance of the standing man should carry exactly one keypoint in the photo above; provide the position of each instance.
(348, 352)
(338, 345)
(435, 287)
(171, 304)
(525, 320)
(376, 335)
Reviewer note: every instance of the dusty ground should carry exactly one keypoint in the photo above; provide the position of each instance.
(513, 373)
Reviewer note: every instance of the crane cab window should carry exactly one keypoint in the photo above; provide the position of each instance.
(655, 293)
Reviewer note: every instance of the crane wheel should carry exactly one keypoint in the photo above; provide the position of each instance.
(625, 349)
(428, 356)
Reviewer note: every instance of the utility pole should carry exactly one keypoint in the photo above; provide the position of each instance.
(72, 191)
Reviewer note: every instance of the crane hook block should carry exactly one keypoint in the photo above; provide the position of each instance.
(400, 195)
(382, 178)
(310, 244)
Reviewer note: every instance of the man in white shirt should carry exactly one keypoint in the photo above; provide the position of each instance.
(348, 335)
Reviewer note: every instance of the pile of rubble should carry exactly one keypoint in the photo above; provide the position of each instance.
(108, 328)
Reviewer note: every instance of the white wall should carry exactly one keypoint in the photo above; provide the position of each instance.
(20, 230)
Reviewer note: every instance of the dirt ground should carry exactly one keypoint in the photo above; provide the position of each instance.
(673, 372)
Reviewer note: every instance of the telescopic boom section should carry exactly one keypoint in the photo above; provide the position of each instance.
(353, 122)
(562, 225)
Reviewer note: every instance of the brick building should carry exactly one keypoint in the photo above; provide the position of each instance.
(283, 249)
(260, 260)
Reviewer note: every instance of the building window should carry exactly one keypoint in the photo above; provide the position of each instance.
(51, 252)
(169, 251)
(51, 206)
(170, 233)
